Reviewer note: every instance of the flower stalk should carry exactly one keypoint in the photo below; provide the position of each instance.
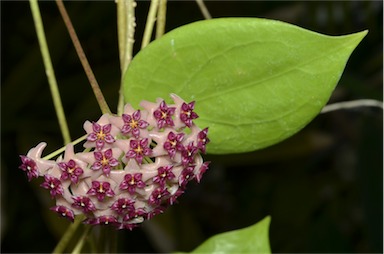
(62, 244)
(50, 71)
(161, 18)
(83, 59)
(151, 19)
(126, 31)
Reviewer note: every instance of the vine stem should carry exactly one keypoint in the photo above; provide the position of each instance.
(352, 104)
(62, 244)
(203, 9)
(50, 71)
(83, 59)
(151, 18)
(126, 31)
(161, 17)
(80, 243)
(59, 151)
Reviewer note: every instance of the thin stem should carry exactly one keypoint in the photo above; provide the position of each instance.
(203, 9)
(81, 241)
(151, 18)
(50, 71)
(161, 18)
(59, 151)
(126, 31)
(83, 59)
(352, 104)
(60, 247)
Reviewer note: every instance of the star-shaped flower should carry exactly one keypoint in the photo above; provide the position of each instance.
(64, 212)
(133, 124)
(173, 143)
(164, 173)
(33, 164)
(187, 114)
(186, 175)
(139, 149)
(83, 203)
(202, 140)
(123, 205)
(101, 134)
(163, 115)
(158, 195)
(70, 170)
(188, 154)
(131, 182)
(29, 166)
(104, 160)
(53, 185)
(100, 190)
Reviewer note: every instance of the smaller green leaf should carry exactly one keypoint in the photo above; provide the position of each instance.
(253, 239)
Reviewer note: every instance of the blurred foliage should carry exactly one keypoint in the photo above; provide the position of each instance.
(322, 187)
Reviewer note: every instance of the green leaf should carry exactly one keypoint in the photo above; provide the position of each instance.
(255, 81)
(253, 239)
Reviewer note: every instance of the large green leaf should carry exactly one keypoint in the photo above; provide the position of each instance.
(255, 81)
(253, 239)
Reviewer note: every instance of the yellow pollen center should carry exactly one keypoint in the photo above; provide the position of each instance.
(101, 135)
(104, 161)
(70, 170)
(133, 124)
(101, 190)
(132, 182)
(138, 149)
(163, 115)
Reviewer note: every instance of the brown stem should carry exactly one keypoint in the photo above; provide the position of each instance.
(83, 59)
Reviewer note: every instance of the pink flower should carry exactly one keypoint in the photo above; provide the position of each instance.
(164, 173)
(202, 140)
(133, 124)
(70, 170)
(83, 203)
(53, 185)
(123, 206)
(163, 115)
(64, 212)
(186, 175)
(139, 149)
(33, 164)
(101, 135)
(188, 154)
(187, 114)
(100, 190)
(104, 160)
(158, 195)
(131, 182)
(107, 219)
(173, 143)
(29, 166)
(172, 199)
(202, 170)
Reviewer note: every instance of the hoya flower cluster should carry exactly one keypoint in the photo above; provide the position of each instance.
(132, 168)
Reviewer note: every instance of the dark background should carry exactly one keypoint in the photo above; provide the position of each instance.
(323, 187)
